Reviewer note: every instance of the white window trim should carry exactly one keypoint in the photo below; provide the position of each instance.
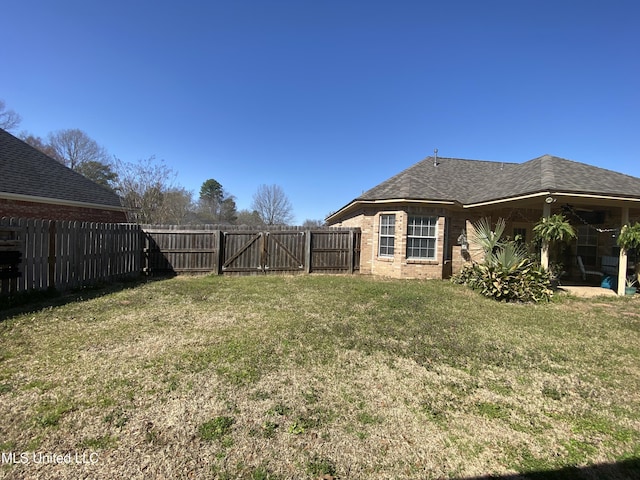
(380, 235)
(434, 238)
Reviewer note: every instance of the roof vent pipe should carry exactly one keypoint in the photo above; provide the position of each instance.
(435, 157)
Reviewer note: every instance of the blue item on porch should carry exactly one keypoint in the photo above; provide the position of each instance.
(609, 282)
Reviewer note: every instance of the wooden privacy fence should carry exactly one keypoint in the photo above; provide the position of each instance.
(239, 250)
(43, 254)
(66, 255)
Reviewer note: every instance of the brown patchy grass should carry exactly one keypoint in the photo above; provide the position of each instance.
(298, 377)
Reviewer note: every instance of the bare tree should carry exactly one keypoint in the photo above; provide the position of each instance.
(89, 158)
(272, 205)
(311, 223)
(39, 143)
(177, 207)
(148, 192)
(249, 218)
(73, 147)
(9, 119)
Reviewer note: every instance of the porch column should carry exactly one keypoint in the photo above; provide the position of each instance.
(544, 252)
(622, 263)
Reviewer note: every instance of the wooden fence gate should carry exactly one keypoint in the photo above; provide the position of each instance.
(263, 251)
(238, 250)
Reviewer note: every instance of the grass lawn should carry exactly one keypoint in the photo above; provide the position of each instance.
(310, 377)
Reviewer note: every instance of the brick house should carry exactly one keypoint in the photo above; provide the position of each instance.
(413, 223)
(34, 185)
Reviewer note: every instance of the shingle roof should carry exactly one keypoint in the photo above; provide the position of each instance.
(475, 181)
(24, 170)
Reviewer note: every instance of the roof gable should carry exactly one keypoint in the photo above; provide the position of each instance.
(25, 170)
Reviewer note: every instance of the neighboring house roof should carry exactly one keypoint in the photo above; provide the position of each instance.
(469, 182)
(27, 173)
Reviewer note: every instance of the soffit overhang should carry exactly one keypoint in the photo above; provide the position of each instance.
(538, 198)
(58, 201)
(388, 202)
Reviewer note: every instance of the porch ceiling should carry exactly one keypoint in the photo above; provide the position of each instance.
(536, 201)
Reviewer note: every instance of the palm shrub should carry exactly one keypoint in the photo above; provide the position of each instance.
(489, 240)
(529, 283)
(507, 273)
(554, 231)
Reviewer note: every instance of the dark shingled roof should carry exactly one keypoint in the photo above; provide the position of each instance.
(476, 181)
(25, 170)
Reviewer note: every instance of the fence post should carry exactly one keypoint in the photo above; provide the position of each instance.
(307, 252)
(264, 254)
(52, 255)
(219, 246)
(351, 247)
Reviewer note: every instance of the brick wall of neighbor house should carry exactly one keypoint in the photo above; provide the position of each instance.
(44, 211)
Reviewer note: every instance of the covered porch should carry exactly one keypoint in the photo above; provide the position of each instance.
(593, 258)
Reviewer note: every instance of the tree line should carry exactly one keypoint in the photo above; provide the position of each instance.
(148, 187)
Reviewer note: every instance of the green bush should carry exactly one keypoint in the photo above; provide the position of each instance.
(528, 283)
(507, 273)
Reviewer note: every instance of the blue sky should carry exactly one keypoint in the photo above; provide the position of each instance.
(328, 98)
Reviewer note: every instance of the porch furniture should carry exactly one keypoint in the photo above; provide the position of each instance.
(610, 265)
(610, 282)
(585, 272)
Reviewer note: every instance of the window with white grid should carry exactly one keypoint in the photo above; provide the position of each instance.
(387, 235)
(422, 236)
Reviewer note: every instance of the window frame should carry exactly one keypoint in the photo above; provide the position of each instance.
(587, 241)
(411, 236)
(387, 232)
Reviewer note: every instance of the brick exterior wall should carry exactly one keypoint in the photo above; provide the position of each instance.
(399, 266)
(451, 222)
(45, 211)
